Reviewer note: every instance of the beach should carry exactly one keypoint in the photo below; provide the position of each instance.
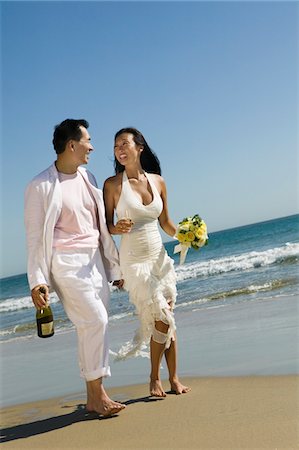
(245, 389)
(220, 413)
(238, 349)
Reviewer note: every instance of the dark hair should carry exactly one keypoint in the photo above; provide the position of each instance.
(67, 130)
(148, 159)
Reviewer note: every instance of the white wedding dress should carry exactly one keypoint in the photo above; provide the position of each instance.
(147, 269)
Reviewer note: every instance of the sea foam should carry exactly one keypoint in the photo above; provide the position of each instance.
(245, 261)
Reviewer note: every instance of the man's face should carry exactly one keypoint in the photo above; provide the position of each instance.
(83, 147)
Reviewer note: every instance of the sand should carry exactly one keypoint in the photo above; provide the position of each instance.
(220, 413)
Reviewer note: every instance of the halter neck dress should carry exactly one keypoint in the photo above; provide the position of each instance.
(147, 269)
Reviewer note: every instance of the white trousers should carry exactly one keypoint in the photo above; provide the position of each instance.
(80, 281)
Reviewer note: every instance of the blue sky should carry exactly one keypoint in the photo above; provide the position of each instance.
(213, 86)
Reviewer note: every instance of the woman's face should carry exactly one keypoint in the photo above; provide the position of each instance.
(125, 149)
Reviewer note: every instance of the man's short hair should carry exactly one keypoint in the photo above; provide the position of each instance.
(67, 130)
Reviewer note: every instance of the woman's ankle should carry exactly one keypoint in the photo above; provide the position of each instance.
(174, 379)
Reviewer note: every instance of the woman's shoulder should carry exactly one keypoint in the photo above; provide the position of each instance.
(158, 179)
(113, 181)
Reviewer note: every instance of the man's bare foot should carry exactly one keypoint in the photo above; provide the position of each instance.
(156, 389)
(178, 387)
(98, 400)
(105, 407)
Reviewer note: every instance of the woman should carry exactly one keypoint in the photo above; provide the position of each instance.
(138, 194)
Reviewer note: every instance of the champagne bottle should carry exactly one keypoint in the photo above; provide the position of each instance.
(44, 321)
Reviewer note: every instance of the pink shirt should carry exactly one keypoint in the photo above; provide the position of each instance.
(77, 225)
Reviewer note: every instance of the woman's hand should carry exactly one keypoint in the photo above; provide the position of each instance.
(123, 226)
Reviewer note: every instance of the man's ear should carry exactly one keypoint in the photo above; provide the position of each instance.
(71, 145)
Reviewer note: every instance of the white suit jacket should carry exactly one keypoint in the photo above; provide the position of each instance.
(43, 203)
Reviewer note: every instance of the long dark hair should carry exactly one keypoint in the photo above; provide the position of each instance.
(148, 159)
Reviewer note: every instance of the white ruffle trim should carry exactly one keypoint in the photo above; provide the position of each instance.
(151, 288)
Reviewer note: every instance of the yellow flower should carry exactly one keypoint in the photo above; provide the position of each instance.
(190, 236)
(200, 233)
(203, 226)
(181, 237)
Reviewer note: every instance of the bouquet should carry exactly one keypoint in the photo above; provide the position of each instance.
(191, 232)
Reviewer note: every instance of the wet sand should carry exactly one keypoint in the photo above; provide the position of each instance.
(252, 412)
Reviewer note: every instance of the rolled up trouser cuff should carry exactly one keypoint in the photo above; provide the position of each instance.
(96, 374)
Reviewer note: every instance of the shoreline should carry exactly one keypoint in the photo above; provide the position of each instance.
(250, 339)
(253, 412)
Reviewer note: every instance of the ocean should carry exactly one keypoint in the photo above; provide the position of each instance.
(239, 265)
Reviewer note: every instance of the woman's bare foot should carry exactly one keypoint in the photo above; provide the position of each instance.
(178, 387)
(98, 400)
(156, 389)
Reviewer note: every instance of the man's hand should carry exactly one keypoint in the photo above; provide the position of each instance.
(118, 283)
(40, 296)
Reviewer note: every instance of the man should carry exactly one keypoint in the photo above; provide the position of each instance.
(71, 251)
